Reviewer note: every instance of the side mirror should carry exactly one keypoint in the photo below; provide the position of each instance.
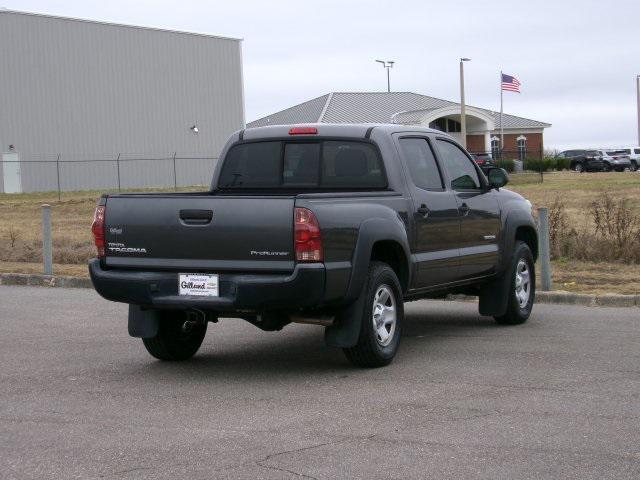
(498, 177)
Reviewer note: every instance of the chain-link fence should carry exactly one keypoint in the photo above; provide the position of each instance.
(59, 172)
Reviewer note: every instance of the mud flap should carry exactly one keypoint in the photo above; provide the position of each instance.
(143, 323)
(494, 296)
(345, 331)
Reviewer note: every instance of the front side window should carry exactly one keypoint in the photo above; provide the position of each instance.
(336, 164)
(421, 162)
(462, 172)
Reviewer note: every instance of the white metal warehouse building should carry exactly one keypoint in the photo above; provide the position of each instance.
(87, 105)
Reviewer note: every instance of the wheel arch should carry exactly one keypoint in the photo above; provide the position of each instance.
(392, 253)
(380, 239)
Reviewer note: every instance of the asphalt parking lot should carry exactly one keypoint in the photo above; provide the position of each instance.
(558, 397)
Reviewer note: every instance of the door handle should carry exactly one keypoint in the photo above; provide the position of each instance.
(196, 217)
(424, 210)
(464, 209)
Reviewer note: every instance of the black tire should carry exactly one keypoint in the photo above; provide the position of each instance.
(517, 313)
(606, 167)
(370, 352)
(633, 167)
(578, 167)
(172, 342)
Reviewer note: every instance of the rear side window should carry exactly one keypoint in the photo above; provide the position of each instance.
(330, 164)
(421, 162)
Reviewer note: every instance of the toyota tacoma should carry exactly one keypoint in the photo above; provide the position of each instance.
(332, 225)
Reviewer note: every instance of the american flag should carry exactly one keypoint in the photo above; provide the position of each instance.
(510, 83)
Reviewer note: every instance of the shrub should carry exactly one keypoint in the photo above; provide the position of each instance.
(562, 163)
(614, 233)
(535, 164)
(506, 164)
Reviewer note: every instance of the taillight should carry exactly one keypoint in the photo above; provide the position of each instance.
(308, 239)
(303, 131)
(97, 228)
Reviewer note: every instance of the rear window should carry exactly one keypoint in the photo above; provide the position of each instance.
(329, 164)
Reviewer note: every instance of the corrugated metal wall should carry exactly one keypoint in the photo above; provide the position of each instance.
(90, 90)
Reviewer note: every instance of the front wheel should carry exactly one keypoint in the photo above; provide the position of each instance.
(177, 338)
(381, 322)
(633, 167)
(523, 287)
(578, 167)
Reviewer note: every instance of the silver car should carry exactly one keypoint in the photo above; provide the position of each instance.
(617, 160)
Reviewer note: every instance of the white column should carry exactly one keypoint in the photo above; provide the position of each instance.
(487, 141)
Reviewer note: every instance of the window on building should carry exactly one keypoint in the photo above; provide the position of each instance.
(461, 169)
(439, 124)
(453, 126)
(495, 147)
(446, 125)
(421, 162)
(522, 147)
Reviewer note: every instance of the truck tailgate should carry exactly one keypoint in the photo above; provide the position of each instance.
(200, 233)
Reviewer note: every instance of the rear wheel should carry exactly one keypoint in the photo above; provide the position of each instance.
(606, 167)
(177, 338)
(523, 287)
(578, 167)
(634, 166)
(381, 322)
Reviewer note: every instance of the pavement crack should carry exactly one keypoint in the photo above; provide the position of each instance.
(278, 469)
(302, 449)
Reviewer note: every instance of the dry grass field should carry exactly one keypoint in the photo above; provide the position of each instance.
(20, 228)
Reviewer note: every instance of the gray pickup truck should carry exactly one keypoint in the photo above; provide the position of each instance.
(333, 225)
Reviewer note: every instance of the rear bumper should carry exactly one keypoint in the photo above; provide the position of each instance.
(304, 287)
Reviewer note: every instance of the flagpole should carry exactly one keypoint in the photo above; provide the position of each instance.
(501, 124)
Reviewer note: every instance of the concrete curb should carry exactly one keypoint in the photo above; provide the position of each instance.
(559, 297)
(34, 280)
(555, 297)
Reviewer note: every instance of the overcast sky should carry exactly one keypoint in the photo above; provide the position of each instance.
(577, 60)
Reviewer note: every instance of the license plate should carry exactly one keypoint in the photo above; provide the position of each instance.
(199, 285)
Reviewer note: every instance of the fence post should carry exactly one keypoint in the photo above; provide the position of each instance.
(118, 167)
(175, 176)
(545, 254)
(58, 172)
(541, 164)
(46, 240)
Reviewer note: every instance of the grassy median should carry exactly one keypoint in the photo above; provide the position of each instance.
(20, 228)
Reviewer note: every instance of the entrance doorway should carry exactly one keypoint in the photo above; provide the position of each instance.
(11, 173)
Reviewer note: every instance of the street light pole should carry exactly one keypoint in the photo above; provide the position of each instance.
(388, 64)
(638, 100)
(463, 107)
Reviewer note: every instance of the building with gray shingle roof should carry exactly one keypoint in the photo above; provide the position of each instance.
(408, 108)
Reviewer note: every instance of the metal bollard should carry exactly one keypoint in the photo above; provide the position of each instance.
(47, 256)
(545, 253)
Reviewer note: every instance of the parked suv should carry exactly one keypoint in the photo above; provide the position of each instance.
(332, 225)
(583, 160)
(617, 160)
(634, 156)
